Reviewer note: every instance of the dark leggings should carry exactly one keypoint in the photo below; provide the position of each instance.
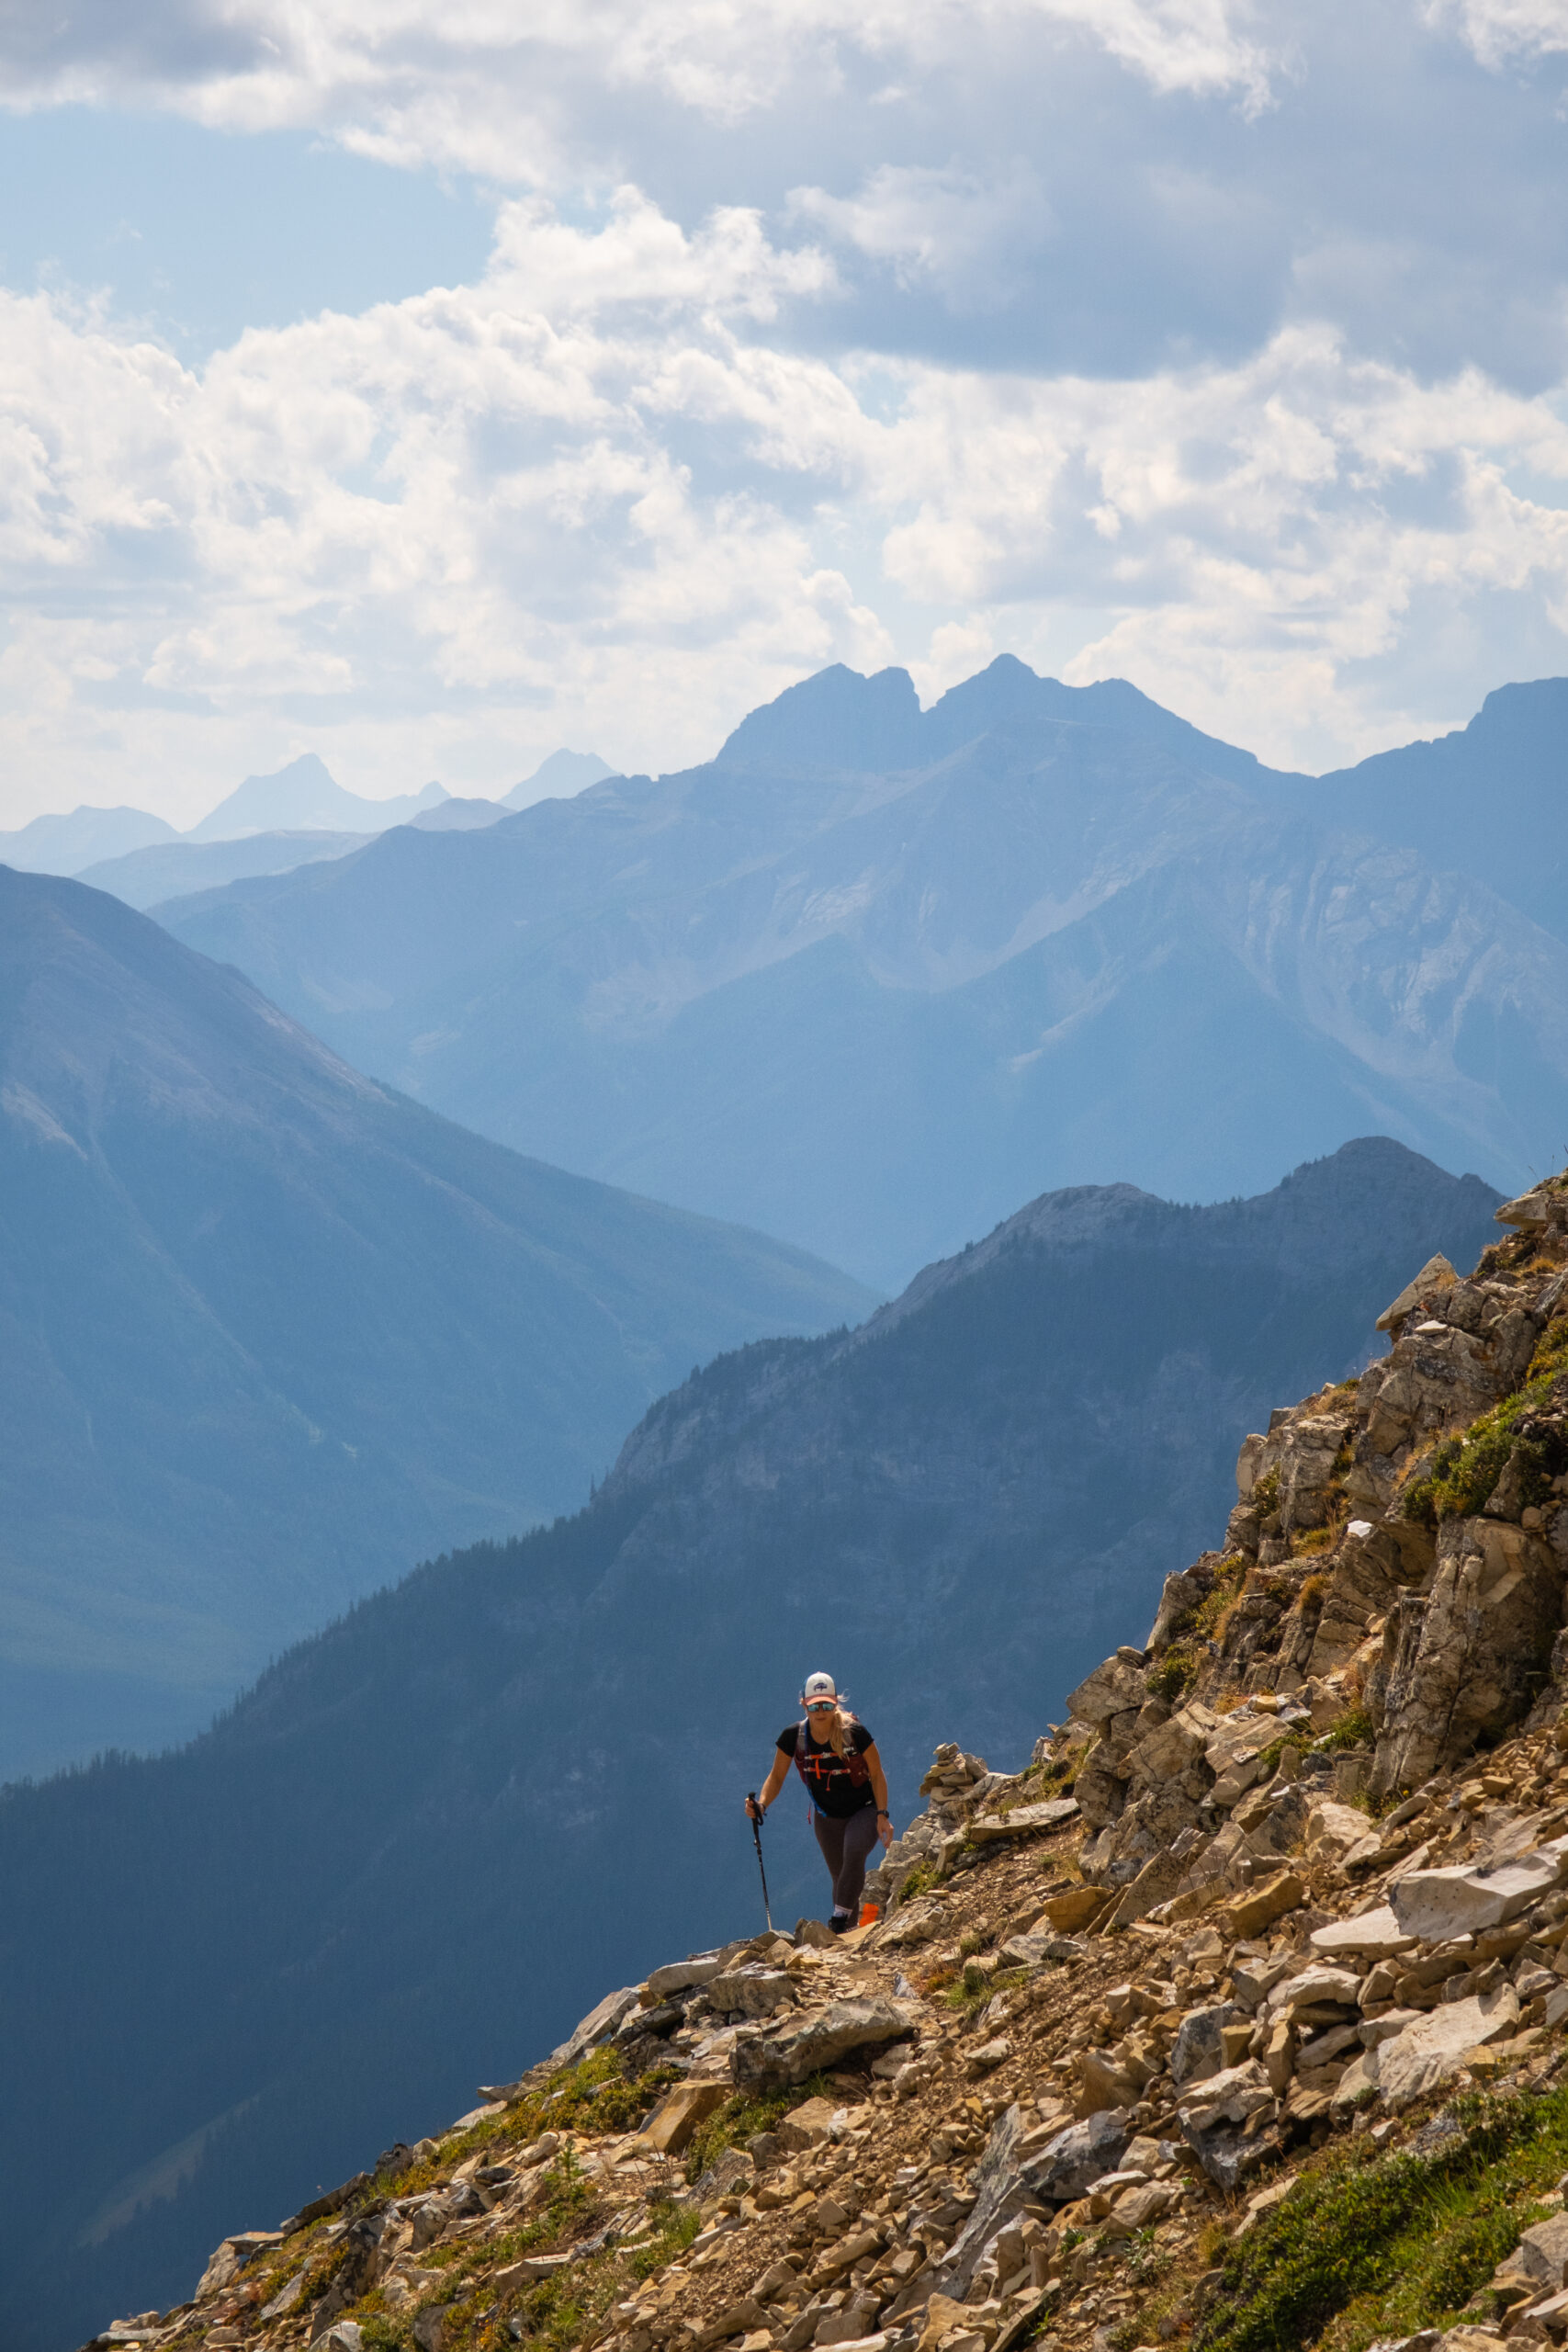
(845, 1846)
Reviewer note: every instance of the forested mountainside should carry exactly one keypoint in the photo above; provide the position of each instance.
(269, 1334)
(873, 976)
(1235, 2018)
(404, 1856)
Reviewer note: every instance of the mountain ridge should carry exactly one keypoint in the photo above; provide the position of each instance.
(961, 1510)
(786, 981)
(272, 1331)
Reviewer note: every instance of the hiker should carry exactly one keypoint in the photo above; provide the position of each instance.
(837, 1759)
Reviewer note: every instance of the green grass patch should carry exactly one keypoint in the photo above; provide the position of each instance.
(1173, 1675)
(1466, 1469)
(731, 2125)
(1371, 2245)
(1356, 1729)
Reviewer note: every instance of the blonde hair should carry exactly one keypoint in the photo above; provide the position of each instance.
(840, 1724)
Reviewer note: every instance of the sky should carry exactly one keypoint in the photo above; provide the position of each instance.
(386, 381)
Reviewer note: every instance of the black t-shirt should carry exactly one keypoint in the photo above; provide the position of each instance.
(833, 1789)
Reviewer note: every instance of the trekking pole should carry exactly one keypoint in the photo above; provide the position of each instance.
(757, 1841)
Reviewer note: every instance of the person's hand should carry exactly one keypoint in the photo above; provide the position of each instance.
(885, 1831)
(753, 1810)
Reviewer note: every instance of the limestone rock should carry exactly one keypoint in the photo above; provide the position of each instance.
(1171, 1748)
(1178, 1597)
(1073, 1910)
(1200, 2048)
(1213, 2120)
(679, 2112)
(1432, 2051)
(1065, 2168)
(1259, 1906)
(1435, 1277)
(597, 2026)
(1023, 1820)
(1542, 1205)
(763, 2062)
(1112, 1689)
(752, 1990)
(1463, 1661)
(1465, 1899)
(807, 2125)
(1374, 1935)
(1542, 2251)
(680, 1976)
(1332, 1830)
(232, 2257)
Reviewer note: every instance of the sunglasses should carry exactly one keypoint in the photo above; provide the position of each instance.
(821, 1706)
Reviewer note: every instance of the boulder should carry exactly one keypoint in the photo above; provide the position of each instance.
(756, 1990)
(1316, 1986)
(1200, 2048)
(1064, 2168)
(678, 2114)
(232, 2257)
(1432, 2052)
(1464, 1662)
(1249, 1913)
(596, 2027)
(1104, 2086)
(1075, 1909)
(1171, 1748)
(1542, 1205)
(1435, 1277)
(1542, 2251)
(1376, 1935)
(1000, 2192)
(764, 2061)
(680, 1976)
(1467, 1898)
(1213, 2120)
(1023, 1820)
(1111, 1690)
(807, 2125)
(1333, 1830)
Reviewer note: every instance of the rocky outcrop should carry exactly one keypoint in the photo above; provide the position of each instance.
(1298, 1869)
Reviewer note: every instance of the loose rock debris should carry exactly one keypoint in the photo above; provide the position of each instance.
(1288, 1891)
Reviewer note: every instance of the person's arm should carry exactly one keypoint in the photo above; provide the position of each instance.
(879, 1784)
(774, 1782)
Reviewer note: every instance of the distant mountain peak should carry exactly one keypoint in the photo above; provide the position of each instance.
(838, 719)
(305, 796)
(563, 774)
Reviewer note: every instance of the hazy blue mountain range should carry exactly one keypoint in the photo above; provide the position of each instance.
(145, 877)
(563, 773)
(304, 796)
(66, 843)
(269, 1334)
(519, 1774)
(873, 974)
(269, 825)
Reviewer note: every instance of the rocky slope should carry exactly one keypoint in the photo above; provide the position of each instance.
(1235, 2018)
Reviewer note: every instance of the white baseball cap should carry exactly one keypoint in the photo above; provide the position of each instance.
(818, 1686)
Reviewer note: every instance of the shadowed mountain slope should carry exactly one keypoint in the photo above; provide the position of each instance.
(518, 1775)
(269, 1334)
(873, 974)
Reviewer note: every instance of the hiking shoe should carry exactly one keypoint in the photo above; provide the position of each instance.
(841, 1923)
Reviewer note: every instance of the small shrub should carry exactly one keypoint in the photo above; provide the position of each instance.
(733, 2124)
(1173, 1675)
(1465, 1469)
(1355, 1729)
